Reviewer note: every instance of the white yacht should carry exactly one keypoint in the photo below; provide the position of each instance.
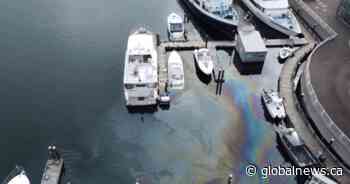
(141, 69)
(17, 176)
(176, 27)
(176, 71)
(276, 14)
(204, 60)
(273, 104)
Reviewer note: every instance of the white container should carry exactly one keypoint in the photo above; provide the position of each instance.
(250, 46)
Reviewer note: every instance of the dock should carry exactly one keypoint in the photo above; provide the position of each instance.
(162, 70)
(53, 167)
(195, 44)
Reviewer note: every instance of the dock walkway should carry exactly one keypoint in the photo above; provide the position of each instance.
(195, 44)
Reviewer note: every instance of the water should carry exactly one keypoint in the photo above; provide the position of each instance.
(61, 75)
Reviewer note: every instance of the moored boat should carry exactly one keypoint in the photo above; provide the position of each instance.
(17, 176)
(141, 69)
(204, 60)
(276, 14)
(295, 147)
(220, 14)
(176, 27)
(273, 104)
(176, 74)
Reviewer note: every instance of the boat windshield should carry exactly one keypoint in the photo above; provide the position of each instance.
(140, 58)
(176, 27)
(203, 56)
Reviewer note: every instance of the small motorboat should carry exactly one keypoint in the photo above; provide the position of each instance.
(17, 176)
(164, 99)
(273, 104)
(295, 147)
(176, 27)
(204, 60)
(175, 71)
(285, 53)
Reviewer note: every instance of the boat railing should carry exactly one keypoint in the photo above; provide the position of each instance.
(17, 170)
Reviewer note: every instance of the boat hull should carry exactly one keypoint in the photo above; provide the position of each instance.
(266, 20)
(216, 24)
(302, 159)
(207, 70)
(175, 67)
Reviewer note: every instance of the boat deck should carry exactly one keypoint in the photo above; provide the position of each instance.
(303, 155)
(52, 172)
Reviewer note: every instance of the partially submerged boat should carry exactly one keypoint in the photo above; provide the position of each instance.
(218, 13)
(274, 104)
(141, 69)
(176, 74)
(285, 53)
(17, 176)
(276, 14)
(204, 60)
(176, 27)
(295, 147)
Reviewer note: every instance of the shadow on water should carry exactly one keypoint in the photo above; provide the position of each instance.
(247, 68)
(210, 32)
(149, 109)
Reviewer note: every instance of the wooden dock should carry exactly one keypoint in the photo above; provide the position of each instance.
(162, 70)
(218, 73)
(195, 44)
(53, 167)
(183, 45)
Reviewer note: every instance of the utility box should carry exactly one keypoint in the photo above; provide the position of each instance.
(250, 45)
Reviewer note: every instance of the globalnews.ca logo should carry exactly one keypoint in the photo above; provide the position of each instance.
(265, 172)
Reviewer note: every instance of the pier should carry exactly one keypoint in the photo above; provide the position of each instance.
(213, 46)
(53, 167)
(195, 44)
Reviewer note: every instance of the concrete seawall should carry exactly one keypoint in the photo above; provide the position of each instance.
(315, 22)
(326, 127)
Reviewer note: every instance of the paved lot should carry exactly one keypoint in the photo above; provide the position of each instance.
(330, 69)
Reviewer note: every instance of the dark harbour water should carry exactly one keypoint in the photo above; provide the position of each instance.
(61, 66)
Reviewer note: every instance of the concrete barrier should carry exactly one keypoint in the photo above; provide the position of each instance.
(320, 118)
(314, 21)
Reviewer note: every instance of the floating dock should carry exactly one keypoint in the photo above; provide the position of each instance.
(195, 44)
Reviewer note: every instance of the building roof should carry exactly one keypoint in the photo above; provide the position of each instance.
(252, 41)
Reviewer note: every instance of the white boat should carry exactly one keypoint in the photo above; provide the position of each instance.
(17, 176)
(285, 53)
(176, 74)
(176, 27)
(273, 104)
(298, 152)
(276, 14)
(204, 60)
(141, 69)
(220, 14)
